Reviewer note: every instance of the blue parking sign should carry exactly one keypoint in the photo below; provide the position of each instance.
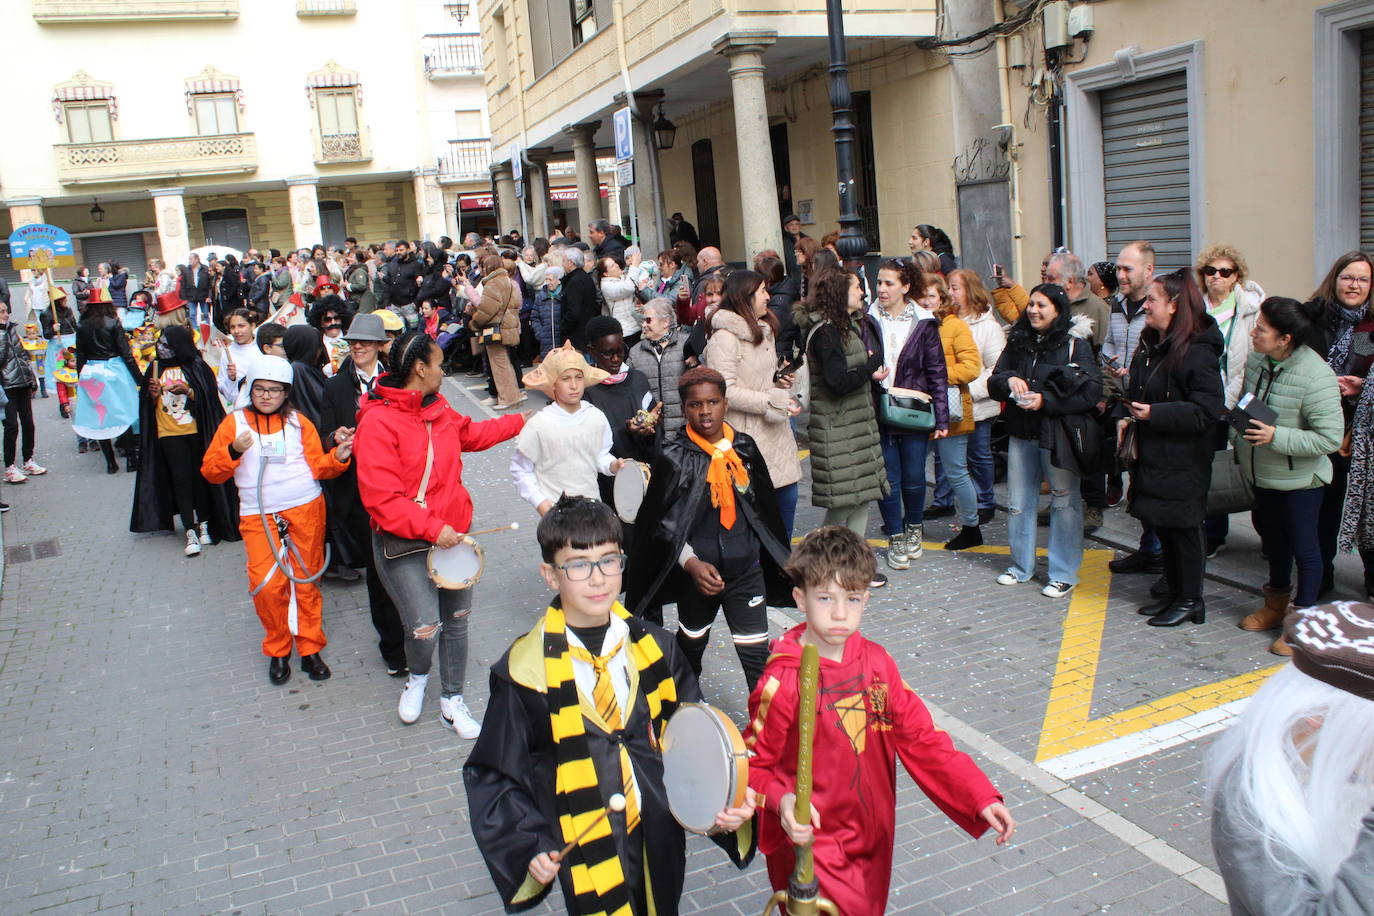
(624, 135)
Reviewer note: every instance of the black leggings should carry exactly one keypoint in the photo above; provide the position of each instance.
(18, 415)
(190, 492)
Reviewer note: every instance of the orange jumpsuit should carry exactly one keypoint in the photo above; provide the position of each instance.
(287, 609)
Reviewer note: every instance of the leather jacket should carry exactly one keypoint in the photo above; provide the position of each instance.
(104, 338)
(16, 368)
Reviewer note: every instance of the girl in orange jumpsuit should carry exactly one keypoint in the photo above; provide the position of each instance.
(274, 455)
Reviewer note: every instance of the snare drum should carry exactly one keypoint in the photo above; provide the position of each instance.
(705, 766)
(631, 482)
(457, 567)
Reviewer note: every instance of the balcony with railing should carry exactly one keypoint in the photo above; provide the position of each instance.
(51, 12)
(466, 160)
(452, 55)
(164, 157)
(305, 8)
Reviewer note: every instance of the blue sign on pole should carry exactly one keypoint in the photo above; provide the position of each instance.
(517, 162)
(624, 135)
(39, 246)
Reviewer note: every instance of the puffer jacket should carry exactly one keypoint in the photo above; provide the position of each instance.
(1302, 389)
(757, 406)
(919, 363)
(499, 307)
(1236, 356)
(1170, 481)
(619, 293)
(963, 364)
(663, 369)
(991, 339)
(1035, 358)
(846, 460)
(1123, 334)
(16, 369)
(546, 317)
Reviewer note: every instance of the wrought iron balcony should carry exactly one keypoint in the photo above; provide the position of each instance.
(466, 160)
(342, 147)
(452, 55)
(50, 12)
(165, 157)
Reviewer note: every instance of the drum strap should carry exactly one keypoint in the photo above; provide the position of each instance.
(429, 464)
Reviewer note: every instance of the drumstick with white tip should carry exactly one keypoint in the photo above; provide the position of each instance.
(513, 526)
(616, 803)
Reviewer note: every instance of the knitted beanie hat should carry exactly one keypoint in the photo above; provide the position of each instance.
(1335, 643)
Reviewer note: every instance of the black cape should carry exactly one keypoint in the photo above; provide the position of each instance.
(154, 506)
(509, 778)
(677, 500)
(349, 525)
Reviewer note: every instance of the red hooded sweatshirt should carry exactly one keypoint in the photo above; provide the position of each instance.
(389, 451)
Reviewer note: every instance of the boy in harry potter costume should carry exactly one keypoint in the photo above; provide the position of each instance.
(577, 708)
(709, 535)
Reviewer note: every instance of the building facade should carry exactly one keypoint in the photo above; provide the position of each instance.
(152, 127)
(1086, 124)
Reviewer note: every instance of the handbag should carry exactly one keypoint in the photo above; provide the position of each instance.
(907, 410)
(956, 404)
(491, 335)
(394, 547)
(1128, 448)
(801, 379)
(1229, 492)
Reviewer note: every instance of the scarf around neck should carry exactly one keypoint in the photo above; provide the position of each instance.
(618, 377)
(726, 474)
(598, 876)
(1345, 322)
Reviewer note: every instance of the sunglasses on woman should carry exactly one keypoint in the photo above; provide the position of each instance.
(1225, 272)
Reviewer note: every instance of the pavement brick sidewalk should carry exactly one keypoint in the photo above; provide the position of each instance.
(149, 767)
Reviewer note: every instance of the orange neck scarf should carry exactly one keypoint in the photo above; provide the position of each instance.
(726, 474)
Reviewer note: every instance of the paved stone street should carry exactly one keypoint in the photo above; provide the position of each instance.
(149, 767)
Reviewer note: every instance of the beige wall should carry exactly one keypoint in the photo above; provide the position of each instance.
(1257, 88)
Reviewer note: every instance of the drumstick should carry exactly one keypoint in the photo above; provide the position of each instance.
(511, 527)
(616, 803)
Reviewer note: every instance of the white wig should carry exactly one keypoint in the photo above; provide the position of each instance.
(1298, 770)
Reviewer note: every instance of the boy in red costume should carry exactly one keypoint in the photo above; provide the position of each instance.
(866, 718)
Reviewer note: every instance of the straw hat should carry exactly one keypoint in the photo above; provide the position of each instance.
(559, 361)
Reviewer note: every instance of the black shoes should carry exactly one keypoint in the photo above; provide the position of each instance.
(397, 670)
(939, 512)
(985, 515)
(279, 670)
(111, 466)
(1179, 611)
(968, 536)
(315, 667)
(1156, 607)
(1138, 563)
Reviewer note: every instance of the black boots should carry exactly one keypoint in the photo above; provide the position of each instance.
(968, 536)
(1192, 609)
(315, 667)
(279, 670)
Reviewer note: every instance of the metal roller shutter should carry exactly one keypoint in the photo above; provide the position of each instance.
(1145, 160)
(125, 250)
(1367, 140)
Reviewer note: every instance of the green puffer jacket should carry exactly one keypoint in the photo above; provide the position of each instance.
(1303, 391)
(846, 461)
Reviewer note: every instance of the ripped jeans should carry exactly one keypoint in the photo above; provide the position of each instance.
(427, 612)
(1027, 465)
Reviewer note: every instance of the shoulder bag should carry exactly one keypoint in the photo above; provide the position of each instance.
(1229, 491)
(906, 409)
(801, 380)
(394, 547)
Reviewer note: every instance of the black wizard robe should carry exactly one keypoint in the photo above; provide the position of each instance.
(510, 779)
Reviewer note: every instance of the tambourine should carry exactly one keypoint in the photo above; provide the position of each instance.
(631, 483)
(705, 766)
(458, 567)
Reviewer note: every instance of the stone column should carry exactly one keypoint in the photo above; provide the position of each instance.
(24, 211)
(507, 204)
(305, 211)
(169, 205)
(429, 204)
(588, 183)
(541, 216)
(757, 183)
(648, 192)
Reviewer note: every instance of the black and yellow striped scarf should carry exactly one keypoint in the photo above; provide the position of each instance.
(598, 878)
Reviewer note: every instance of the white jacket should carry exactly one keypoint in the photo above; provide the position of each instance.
(619, 293)
(991, 338)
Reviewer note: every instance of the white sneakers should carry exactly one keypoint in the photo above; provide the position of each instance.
(1056, 589)
(1008, 578)
(33, 469)
(412, 698)
(205, 533)
(14, 475)
(453, 712)
(192, 544)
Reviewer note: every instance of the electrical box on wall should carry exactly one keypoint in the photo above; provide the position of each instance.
(1081, 21)
(1056, 24)
(1016, 52)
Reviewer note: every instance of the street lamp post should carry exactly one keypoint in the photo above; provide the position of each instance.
(852, 245)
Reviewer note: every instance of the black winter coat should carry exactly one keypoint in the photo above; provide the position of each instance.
(677, 500)
(1042, 361)
(1169, 484)
(579, 307)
